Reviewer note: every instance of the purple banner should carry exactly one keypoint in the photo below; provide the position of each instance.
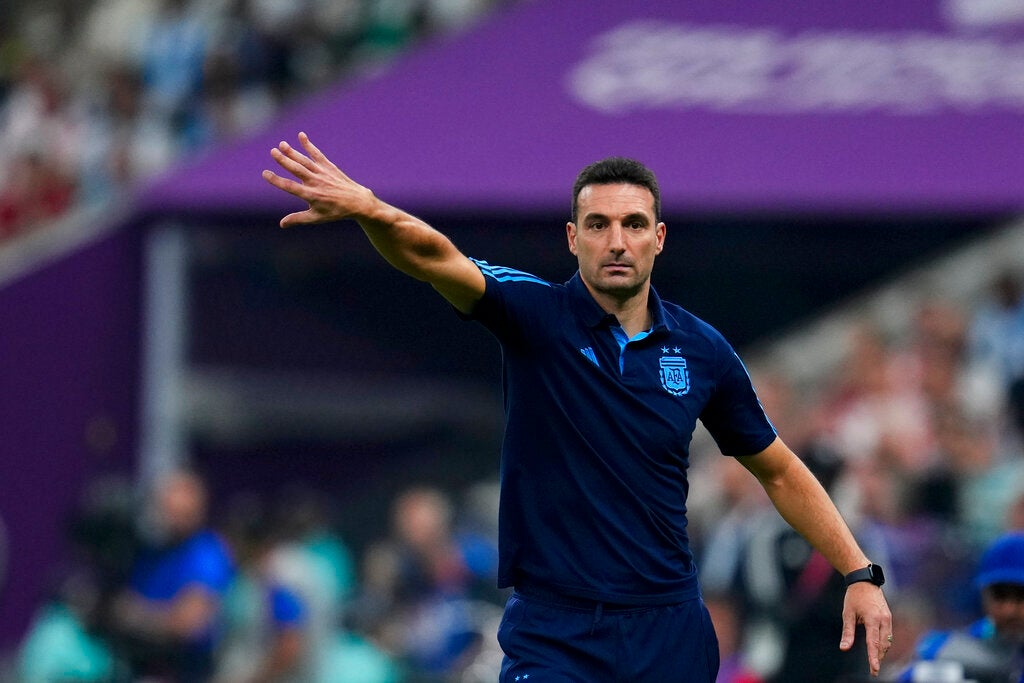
(68, 367)
(752, 105)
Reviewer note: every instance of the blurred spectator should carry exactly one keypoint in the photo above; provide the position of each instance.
(477, 538)
(417, 586)
(236, 97)
(173, 57)
(282, 609)
(981, 481)
(114, 31)
(996, 344)
(996, 332)
(913, 617)
(39, 141)
(990, 649)
(125, 142)
(37, 191)
(62, 643)
(935, 359)
(266, 628)
(39, 119)
(314, 564)
(741, 510)
(303, 519)
(877, 403)
(68, 639)
(169, 618)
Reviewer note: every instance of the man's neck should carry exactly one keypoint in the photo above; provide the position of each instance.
(632, 312)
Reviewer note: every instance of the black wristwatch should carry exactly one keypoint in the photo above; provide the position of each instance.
(872, 573)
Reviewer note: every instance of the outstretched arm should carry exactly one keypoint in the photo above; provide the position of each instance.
(804, 504)
(406, 242)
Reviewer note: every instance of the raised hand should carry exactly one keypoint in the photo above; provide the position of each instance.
(330, 194)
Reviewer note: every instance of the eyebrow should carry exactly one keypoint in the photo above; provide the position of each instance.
(625, 219)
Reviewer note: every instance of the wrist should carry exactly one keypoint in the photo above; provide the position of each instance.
(872, 574)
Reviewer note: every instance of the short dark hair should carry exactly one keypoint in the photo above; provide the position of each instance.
(615, 170)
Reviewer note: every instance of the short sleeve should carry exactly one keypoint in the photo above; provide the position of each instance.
(734, 416)
(514, 304)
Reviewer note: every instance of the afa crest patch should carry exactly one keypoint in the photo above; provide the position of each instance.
(675, 378)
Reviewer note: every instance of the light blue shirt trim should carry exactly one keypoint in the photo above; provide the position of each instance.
(623, 340)
(504, 274)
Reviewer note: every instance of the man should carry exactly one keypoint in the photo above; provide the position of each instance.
(604, 383)
(169, 615)
(991, 650)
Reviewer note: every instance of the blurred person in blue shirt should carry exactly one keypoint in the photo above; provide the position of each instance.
(168, 618)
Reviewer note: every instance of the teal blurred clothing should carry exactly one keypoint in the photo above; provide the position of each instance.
(59, 648)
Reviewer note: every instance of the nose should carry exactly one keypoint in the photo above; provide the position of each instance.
(616, 239)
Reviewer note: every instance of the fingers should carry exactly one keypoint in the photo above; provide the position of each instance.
(849, 627)
(313, 151)
(319, 157)
(877, 621)
(291, 187)
(883, 642)
(286, 184)
(298, 218)
(875, 654)
(878, 647)
(293, 161)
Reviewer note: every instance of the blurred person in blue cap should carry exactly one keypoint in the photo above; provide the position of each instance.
(991, 650)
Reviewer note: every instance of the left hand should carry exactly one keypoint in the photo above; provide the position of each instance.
(865, 604)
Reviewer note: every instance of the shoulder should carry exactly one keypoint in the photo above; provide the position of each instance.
(931, 643)
(209, 558)
(974, 646)
(208, 543)
(512, 288)
(677, 317)
(513, 298)
(507, 275)
(697, 331)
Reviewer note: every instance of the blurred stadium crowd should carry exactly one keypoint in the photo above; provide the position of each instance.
(98, 95)
(919, 438)
(171, 587)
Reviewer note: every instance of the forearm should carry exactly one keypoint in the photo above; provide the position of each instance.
(805, 505)
(185, 617)
(420, 251)
(407, 243)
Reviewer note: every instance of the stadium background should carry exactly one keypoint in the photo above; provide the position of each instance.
(163, 317)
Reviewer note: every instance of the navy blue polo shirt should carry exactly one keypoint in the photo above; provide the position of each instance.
(597, 435)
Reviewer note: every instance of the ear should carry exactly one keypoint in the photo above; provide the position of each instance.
(570, 235)
(660, 230)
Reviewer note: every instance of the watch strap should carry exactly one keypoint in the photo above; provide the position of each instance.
(871, 573)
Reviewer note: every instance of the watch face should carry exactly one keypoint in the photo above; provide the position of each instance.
(877, 576)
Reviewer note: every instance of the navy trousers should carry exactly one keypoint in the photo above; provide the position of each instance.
(561, 641)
